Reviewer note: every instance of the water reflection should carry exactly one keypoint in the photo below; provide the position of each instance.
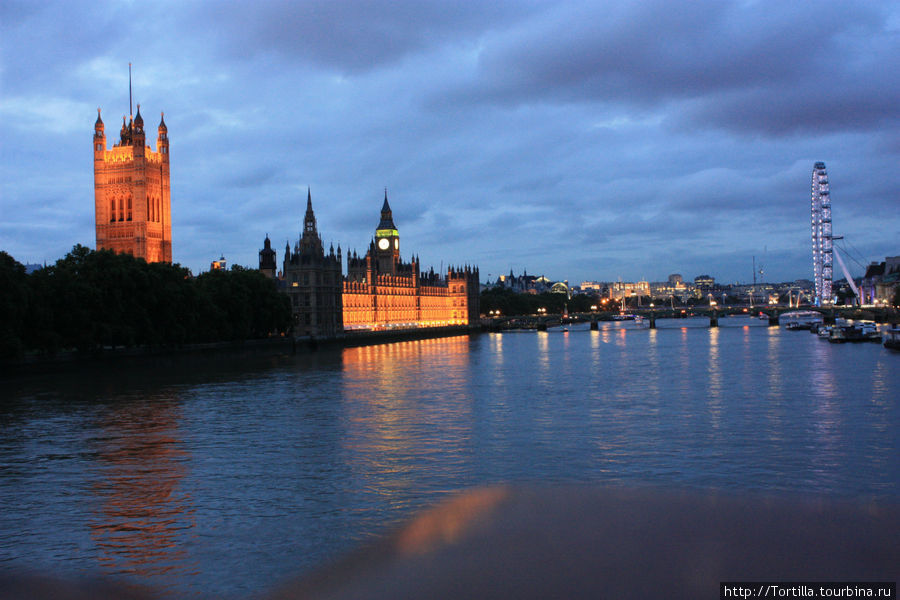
(400, 401)
(714, 374)
(821, 373)
(141, 515)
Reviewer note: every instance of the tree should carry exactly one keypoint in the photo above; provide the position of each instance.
(14, 306)
(90, 300)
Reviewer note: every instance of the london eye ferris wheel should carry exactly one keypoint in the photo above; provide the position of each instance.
(822, 239)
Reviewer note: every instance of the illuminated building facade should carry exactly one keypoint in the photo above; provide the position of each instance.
(379, 291)
(132, 202)
(626, 289)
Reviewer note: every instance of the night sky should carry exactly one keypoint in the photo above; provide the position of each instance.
(582, 141)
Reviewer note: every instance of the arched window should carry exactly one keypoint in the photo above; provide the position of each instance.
(129, 208)
(121, 209)
(112, 210)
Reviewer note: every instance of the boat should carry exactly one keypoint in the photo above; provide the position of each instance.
(892, 337)
(800, 319)
(860, 331)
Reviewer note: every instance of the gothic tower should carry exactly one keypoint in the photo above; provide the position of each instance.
(132, 202)
(387, 241)
(312, 280)
(267, 259)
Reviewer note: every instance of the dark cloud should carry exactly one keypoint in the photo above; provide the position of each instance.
(771, 67)
(357, 35)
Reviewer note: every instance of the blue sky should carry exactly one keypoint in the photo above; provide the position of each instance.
(579, 140)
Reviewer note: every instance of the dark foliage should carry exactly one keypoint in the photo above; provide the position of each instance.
(91, 300)
(511, 303)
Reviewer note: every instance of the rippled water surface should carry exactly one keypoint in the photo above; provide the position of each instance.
(221, 477)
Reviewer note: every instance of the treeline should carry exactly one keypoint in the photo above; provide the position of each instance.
(90, 300)
(510, 303)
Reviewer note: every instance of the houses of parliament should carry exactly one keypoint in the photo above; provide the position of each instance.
(379, 290)
(133, 215)
(132, 201)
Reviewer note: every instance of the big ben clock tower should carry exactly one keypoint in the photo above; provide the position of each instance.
(387, 241)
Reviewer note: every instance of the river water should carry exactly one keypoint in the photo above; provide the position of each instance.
(210, 477)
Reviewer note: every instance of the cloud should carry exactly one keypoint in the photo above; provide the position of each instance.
(354, 36)
(765, 67)
(584, 140)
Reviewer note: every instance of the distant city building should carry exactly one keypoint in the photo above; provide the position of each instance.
(592, 286)
(525, 283)
(132, 202)
(379, 290)
(674, 287)
(881, 281)
(561, 287)
(626, 289)
(218, 265)
(704, 284)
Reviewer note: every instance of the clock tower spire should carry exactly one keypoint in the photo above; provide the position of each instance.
(387, 240)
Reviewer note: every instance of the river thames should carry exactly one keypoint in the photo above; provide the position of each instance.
(222, 477)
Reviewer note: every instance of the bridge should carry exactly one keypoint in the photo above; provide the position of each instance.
(713, 313)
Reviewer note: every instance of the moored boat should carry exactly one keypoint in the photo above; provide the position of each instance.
(892, 337)
(800, 319)
(860, 331)
(824, 332)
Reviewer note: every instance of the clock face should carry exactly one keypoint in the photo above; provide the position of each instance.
(396, 244)
(384, 243)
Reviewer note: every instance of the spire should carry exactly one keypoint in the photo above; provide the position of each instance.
(129, 91)
(98, 124)
(138, 119)
(125, 134)
(162, 123)
(310, 237)
(387, 218)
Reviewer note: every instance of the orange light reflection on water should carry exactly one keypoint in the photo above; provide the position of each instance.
(142, 514)
(384, 389)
